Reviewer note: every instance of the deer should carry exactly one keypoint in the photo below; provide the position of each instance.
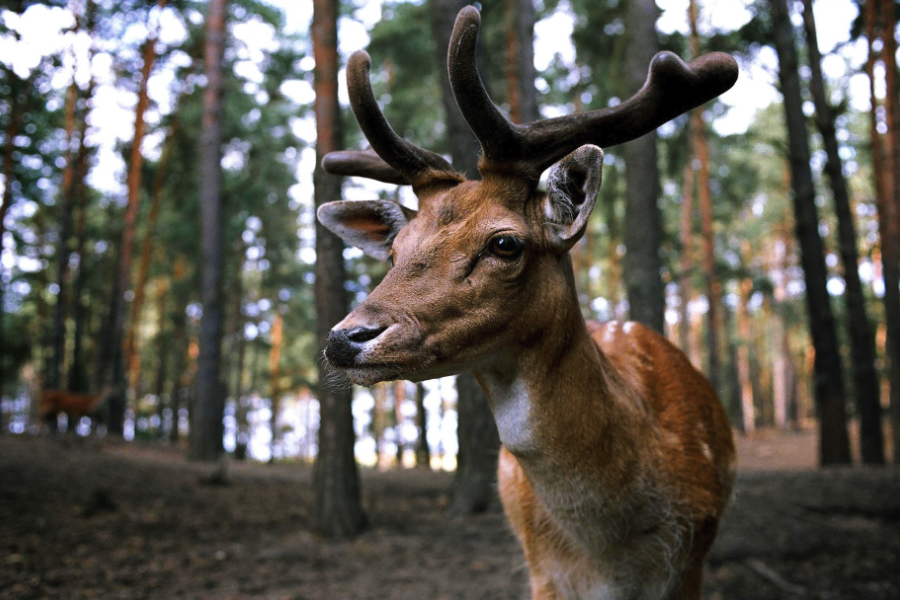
(73, 404)
(617, 458)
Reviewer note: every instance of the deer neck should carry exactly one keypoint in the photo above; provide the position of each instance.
(559, 393)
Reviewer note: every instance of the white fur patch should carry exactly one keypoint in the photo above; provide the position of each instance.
(628, 326)
(512, 412)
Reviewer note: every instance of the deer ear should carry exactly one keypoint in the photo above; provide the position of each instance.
(572, 188)
(370, 225)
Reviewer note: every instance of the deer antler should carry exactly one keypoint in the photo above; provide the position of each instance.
(391, 159)
(672, 88)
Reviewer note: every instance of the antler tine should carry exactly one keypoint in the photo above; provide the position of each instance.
(671, 89)
(498, 136)
(410, 163)
(362, 163)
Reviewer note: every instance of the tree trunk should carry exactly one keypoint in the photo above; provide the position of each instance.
(889, 218)
(473, 486)
(12, 130)
(643, 231)
(862, 342)
(520, 74)
(781, 371)
(275, 378)
(834, 445)
(423, 452)
(748, 417)
(399, 398)
(209, 405)
(687, 261)
(475, 477)
(117, 399)
(66, 206)
(162, 347)
(78, 378)
(379, 395)
(713, 288)
(337, 509)
(132, 359)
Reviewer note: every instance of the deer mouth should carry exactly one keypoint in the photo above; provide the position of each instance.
(369, 354)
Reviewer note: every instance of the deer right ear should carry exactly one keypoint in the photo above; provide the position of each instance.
(572, 188)
(370, 225)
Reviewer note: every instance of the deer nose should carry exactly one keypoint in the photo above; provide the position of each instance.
(343, 345)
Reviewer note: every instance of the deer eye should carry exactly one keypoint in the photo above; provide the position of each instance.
(506, 246)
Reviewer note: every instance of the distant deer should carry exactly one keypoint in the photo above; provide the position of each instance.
(617, 459)
(73, 404)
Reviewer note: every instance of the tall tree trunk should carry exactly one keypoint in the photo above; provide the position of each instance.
(179, 343)
(78, 378)
(472, 486)
(399, 398)
(275, 378)
(520, 72)
(862, 342)
(781, 377)
(132, 360)
(66, 207)
(337, 509)
(643, 231)
(713, 287)
(748, 414)
(887, 228)
(423, 452)
(475, 475)
(209, 404)
(12, 130)
(890, 217)
(162, 346)
(834, 444)
(379, 395)
(687, 259)
(117, 399)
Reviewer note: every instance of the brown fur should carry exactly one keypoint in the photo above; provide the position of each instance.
(74, 405)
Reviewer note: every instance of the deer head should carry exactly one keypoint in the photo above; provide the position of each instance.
(482, 268)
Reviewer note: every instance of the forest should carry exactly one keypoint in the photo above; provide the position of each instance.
(169, 425)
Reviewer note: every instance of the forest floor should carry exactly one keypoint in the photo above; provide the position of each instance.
(82, 518)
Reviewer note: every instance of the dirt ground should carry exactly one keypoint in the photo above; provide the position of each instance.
(88, 519)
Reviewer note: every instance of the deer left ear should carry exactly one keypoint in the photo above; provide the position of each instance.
(370, 225)
(572, 188)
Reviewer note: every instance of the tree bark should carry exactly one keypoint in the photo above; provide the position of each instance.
(748, 413)
(78, 378)
(132, 360)
(473, 486)
(162, 346)
(117, 398)
(859, 330)
(337, 510)
(275, 378)
(834, 445)
(179, 345)
(520, 72)
(12, 130)
(208, 407)
(399, 397)
(475, 477)
(643, 231)
(66, 205)
(889, 218)
(687, 261)
(423, 452)
(713, 287)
